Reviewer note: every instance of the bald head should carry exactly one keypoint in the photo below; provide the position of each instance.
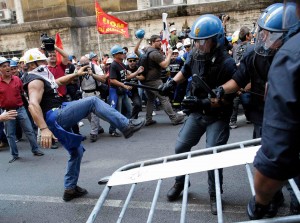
(84, 60)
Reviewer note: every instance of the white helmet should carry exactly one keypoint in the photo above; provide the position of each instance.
(33, 55)
(15, 59)
(179, 45)
(173, 28)
(187, 42)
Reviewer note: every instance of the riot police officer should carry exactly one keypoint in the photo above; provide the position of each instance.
(208, 61)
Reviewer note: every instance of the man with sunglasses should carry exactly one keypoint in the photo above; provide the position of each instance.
(208, 61)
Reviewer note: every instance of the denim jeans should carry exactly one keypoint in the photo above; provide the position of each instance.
(121, 103)
(10, 128)
(217, 133)
(71, 113)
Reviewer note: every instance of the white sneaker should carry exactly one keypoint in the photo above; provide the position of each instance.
(153, 113)
(180, 113)
(80, 124)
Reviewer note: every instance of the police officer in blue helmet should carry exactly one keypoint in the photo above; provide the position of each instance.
(278, 158)
(208, 62)
(254, 68)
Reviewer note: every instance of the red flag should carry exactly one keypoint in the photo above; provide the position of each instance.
(108, 24)
(59, 44)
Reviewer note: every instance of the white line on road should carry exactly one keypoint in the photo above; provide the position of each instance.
(165, 206)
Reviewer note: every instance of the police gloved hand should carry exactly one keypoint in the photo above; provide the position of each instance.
(219, 92)
(191, 103)
(167, 87)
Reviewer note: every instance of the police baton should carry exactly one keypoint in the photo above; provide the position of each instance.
(141, 86)
(204, 86)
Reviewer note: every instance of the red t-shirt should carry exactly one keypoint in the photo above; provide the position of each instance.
(10, 93)
(59, 71)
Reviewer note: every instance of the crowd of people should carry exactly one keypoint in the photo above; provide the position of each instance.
(48, 96)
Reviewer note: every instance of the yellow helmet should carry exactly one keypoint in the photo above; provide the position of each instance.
(235, 36)
(33, 55)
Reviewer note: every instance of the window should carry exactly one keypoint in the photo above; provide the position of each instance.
(11, 54)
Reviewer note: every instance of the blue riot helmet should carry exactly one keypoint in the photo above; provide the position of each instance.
(140, 33)
(289, 18)
(207, 33)
(116, 49)
(270, 33)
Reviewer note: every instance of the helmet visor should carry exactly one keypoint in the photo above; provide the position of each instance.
(267, 43)
(289, 17)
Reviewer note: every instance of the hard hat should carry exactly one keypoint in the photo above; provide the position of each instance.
(132, 56)
(70, 57)
(3, 60)
(116, 49)
(13, 63)
(109, 61)
(173, 28)
(140, 33)
(33, 55)
(187, 42)
(179, 45)
(175, 51)
(92, 55)
(15, 59)
(235, 36)
(21, 60)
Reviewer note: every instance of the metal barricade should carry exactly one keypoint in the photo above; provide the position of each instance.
(184, 207)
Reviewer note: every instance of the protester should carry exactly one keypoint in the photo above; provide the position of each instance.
(208, 61)
(55, 118)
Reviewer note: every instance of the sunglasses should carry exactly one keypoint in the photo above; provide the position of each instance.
(130, 61)
(188, 46)
(120, 53)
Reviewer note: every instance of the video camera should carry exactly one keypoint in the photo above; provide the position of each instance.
(224, 17)
(48, 42)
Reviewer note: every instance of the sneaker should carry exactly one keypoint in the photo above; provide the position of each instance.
(93, 137)
(150, 122)
(70, 194)
(100, 130)
(80, 124)
(275, 204)
(179, 119)
(255, 210)
(54, 145)
(233, 125)
(13, 159)
(180, 113)
(153, 113)
(134, 126)
(38, 153)
(115, 134)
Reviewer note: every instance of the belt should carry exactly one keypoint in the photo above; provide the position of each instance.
(89, 91)
(15, 108)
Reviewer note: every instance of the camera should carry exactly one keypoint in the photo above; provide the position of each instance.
(224, 17)
(48, 42)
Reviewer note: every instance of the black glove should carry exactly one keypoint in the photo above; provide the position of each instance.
(48, 42)
(167, 87)
(193, 104)
(219, 92)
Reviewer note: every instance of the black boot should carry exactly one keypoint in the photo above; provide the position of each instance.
(255, 210)
(175, 191)
(275, 204)
(213, 205)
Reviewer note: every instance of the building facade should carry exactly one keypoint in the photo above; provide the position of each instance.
(75, 20)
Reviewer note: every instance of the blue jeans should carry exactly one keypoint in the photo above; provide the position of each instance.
(121, 103)
(10, 128)
(71, 113)
(217, 133)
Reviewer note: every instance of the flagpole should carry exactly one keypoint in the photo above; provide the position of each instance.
(100, 53)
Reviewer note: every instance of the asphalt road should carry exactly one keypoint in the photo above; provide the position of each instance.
(31, 188)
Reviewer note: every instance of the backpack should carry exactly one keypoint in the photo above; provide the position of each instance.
(240, 51)
(143, 61)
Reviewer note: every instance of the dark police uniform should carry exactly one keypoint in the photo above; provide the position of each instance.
(254, 68)
(278, 157)
(215, 122)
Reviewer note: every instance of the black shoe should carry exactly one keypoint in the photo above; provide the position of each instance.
(100, 131)
(13, 159)
(115, 134)
(175, 191)
(179, 119)
(150, 122)
(93, 138)
(69, 194)
(275, 204)
(134, 126)
(54, 145)
(294, 208)
(213, 205)
(255, 210)
(38, 153)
